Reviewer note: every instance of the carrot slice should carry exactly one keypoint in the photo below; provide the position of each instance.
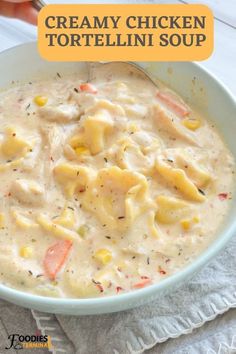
(87, 87)
(142, 284)
(55, 257)
(223, 196)
(174, 105)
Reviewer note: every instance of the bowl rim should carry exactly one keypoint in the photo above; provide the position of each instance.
(119, 301)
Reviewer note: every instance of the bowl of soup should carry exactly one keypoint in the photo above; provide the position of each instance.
(114, 190)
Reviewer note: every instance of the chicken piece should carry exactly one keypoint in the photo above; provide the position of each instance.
(31, 160)
(83, 100)
(174, 104)
(136, 110)
(62, 113)
(142, 138)
(169, 123)
(54, 139)
(27, 192)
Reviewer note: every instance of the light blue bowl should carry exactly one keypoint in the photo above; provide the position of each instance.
(200, 89)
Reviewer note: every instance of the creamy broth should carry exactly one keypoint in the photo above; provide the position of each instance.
(105, 187)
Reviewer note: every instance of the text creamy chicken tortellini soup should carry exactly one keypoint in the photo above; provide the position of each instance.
(106, 186)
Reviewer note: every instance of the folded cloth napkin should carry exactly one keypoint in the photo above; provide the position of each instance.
(210, 293)
(16, 320)
(215, 337)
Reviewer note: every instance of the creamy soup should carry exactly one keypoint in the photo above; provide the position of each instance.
(107, 186)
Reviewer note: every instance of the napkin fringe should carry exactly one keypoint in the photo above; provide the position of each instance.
(48, 324)
(180, 325)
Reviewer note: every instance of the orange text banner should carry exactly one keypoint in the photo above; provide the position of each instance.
(86, 32)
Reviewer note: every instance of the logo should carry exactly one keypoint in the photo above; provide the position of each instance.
(19, 341)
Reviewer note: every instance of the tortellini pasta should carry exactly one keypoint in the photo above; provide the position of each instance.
(170, 209)
(117, 196)
(67, 218)
(200, 176)
(13, 145)
(178, 179)
(60, 113)
(97, 126)
(73, 178)
(17, 150)
(131, 156)
(55, 229)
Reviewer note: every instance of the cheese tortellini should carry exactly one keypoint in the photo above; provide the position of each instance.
(117, 196)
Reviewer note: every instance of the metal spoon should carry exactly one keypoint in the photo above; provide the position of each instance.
(135, 68)
(38, 4)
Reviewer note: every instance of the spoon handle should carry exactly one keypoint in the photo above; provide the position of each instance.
(38, 4)
(134, 67)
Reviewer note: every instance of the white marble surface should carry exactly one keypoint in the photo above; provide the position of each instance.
(222, 64)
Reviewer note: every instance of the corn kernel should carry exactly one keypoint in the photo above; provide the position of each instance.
(121, 85)
(132, 128)
(192, 124)
(26, 252)
(185, 224)
(81, 150)
(196, 219)
(40, 100)
(82, 231)
(54, 283)
(2, 221)
(103, 255)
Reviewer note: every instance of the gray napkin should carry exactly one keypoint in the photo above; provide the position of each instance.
(215, 337)
(16, 319)
(208, 294)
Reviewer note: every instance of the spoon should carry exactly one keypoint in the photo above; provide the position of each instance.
(38, 4)
(135, 68)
